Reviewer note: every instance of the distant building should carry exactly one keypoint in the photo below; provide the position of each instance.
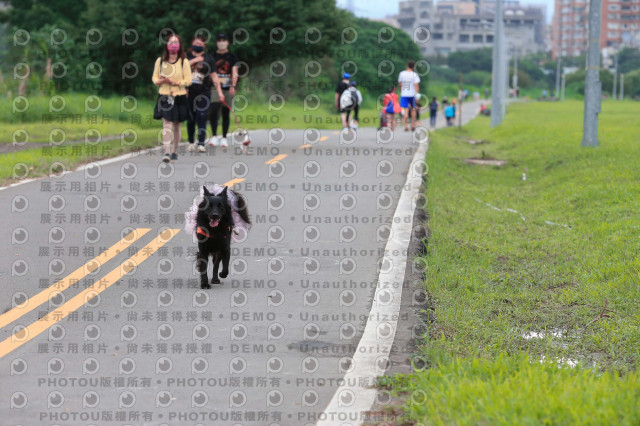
(620, 25)
(466, 25)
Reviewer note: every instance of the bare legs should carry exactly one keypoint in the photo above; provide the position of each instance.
(170, 132)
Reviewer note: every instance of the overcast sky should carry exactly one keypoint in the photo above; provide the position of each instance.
(382, 8)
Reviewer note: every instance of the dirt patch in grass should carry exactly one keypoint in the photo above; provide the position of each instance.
(485, 161)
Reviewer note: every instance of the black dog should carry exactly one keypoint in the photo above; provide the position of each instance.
(214, 225)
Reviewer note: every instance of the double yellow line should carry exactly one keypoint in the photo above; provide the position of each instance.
(24, 335)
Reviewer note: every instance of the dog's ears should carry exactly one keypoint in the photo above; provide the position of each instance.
(224, 191)
(206, 191)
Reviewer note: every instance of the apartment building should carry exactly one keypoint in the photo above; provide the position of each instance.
(620, 25)
(466, 25)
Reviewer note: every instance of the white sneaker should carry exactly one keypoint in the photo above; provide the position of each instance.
(214, 141)
(191, 147)
(223, 142)
(201, 148)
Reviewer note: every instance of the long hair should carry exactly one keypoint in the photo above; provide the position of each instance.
(165, 52)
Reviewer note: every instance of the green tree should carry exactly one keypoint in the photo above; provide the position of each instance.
(378, 62)
(471, 60)
(628, 59)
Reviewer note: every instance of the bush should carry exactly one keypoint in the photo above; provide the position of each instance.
(478, 78)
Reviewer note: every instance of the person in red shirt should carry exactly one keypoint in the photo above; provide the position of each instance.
(391, 106)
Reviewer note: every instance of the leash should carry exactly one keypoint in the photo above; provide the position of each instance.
(248, 141)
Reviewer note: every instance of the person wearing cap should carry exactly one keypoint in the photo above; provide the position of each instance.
(356, 107)
(342, 86)
(227, 70)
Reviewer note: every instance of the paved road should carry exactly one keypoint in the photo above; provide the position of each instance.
(101, 317)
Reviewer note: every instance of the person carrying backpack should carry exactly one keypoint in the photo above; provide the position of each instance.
(340, 89)
(449, 113)
(354, 101)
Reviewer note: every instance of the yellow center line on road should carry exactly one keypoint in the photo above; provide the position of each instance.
(21, 337)
(233, 182)
(276, 159)
(93, 264)
(308, 145)
(336, 132)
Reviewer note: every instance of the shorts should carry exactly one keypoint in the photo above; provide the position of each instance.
(408, 101)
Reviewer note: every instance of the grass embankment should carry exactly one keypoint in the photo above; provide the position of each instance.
(519, 271)
(117, 116)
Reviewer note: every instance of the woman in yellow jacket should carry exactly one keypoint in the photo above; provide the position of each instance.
(172, 75)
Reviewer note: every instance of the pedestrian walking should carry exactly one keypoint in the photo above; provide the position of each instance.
(391, 107)
(433, 111)
(445, 104)
(172, 75)
(453, 104)
(409, 82)
(353, 88)
(222, 100)
(342, 86)
(449, 114)
(203, 77)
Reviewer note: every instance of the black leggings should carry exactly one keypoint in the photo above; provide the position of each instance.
(199, 104)
(355, 113)
(214, 113)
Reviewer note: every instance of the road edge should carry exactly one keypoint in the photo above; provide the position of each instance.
(350, 403)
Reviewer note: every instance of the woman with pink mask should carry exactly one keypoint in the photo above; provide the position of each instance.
(172, 75)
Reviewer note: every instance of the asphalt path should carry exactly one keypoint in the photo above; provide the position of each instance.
(102, 320)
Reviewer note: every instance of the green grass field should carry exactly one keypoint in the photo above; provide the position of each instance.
(518, 271)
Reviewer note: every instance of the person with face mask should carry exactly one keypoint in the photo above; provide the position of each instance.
(227, 70)
(172, 75)
(203, 78)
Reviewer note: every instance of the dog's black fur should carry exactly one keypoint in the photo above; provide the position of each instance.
(214, 217)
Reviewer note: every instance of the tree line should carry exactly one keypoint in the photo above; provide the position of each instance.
(109, 46)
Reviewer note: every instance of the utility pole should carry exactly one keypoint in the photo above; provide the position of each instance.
(515, 72)
(621, 86)
(497, 78)
(505, 70)
(562, 88)
(615, 76)
(560, 48)
(593, 85)
(460, 96)
(558, 72)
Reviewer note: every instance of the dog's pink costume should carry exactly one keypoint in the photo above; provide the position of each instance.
(240, 227)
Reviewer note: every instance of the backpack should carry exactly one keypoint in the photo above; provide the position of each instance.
(348, 99)
(448, 112)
